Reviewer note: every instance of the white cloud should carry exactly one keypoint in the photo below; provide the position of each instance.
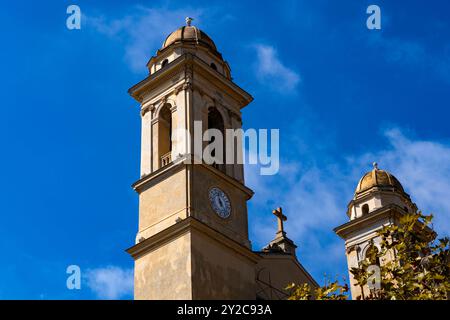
(315, 197)
(111, 282)
(314, 200)
(423, 167)
(272, 72)
(143, 31)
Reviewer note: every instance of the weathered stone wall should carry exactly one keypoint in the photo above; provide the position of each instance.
(275, 272)
(165, 272)
(236, 225)
(219, 272)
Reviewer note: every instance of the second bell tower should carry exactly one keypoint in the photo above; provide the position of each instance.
(192, 240)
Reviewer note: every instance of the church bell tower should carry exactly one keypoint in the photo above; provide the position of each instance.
(379, 201)
(192, 240)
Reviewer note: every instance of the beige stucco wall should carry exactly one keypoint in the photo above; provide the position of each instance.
(195, 265)
(279, 270)
(236, 225)
(352, 262)
(162, 202)
(378, 200)
(201, 53)
(165, 272)
(219, 272)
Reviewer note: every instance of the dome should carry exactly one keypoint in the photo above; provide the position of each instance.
(380, 179)
(189, 34)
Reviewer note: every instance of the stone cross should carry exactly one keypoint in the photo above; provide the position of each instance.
(281, 217)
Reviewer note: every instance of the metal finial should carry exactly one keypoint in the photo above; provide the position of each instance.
(375, 166)
(189, 21)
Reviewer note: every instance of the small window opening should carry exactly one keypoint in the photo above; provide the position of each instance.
(215, 121)
(365, 209)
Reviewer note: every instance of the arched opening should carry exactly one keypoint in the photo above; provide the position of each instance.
(215, 121)
(213, 65)
(365, 209)
(164, 63)
(165, 135)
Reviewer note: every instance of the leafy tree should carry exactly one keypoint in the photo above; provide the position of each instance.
(412, 264)
(330, 291)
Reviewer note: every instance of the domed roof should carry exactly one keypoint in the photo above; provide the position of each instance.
(380, 179)
(190, 34)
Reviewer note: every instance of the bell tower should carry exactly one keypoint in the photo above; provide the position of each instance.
(379, 200)
(192, 240)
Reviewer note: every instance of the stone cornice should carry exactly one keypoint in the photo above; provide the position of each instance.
(146, 108)
(183, 227)
(229, 179)
(186, 63)
(160, 173)
(391, 211)
(178, 164)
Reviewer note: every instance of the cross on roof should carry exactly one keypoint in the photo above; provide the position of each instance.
(375, 165)
(278, 212)
(189, 21)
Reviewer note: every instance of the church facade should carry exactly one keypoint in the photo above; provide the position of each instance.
(192, 240)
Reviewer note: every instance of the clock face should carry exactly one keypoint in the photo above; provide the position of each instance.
(220, 202)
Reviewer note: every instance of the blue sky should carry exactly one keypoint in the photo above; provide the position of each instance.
(342, 96)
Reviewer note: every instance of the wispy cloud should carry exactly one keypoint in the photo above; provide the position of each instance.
(110, 282)
(423, 167)
(314, 200)
(315, 197)
(272, 72)
(142, 31)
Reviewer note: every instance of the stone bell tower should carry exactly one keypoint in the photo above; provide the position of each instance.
(192, 240)
(379, 200)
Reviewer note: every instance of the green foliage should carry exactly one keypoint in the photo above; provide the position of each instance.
(413, 265)
(299, 292)
(330, 291)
